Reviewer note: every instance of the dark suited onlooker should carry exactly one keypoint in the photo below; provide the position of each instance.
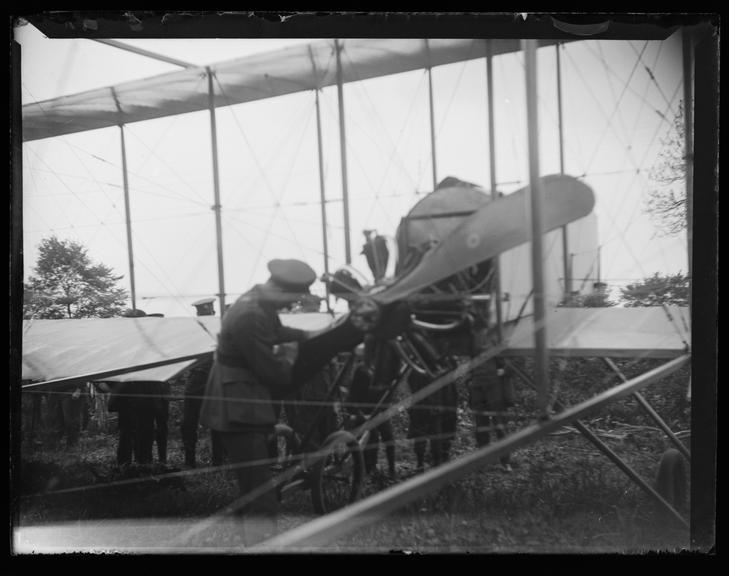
(195, 379)
(143, 408)
(433, 421)
(491, 395)
(65, 410)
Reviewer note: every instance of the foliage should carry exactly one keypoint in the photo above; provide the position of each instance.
(666, 202)
(597, 299)
(657, 290)
(68, 285)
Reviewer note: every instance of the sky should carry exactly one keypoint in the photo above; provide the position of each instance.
(619, 98)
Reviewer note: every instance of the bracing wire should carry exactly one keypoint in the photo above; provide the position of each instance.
(447, 110)
(251, 148)
(75, 195)
(284, 138)
(267, 229)
(622, 232)
(263, 174)
(652, 76)
(139, 242)
(109, 185)
(616, 107)
(638, 167)
(51, 228)
(361, 87)
(113, 235)
(597, 101)
(175, 195)
(405, 123)
(198, 194)
(644, 95)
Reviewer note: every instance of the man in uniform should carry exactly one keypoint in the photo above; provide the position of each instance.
(248, 377)
(491, 395)
(205, 307)
(195, 379)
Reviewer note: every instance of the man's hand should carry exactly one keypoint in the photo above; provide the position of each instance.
(288, 351)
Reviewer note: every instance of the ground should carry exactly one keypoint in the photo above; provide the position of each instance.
(561, 495)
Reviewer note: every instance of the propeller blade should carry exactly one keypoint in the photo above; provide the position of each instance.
(495, 228)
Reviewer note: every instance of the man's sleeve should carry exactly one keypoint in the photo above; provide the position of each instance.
(288, 334)
(257, 345)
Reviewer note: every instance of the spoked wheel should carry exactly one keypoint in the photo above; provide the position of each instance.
(672, 478)
(336, 476)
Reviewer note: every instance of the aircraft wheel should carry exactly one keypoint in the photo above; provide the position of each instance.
(336, 477)
(671, 479)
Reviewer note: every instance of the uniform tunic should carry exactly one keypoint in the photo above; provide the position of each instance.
(247, 376)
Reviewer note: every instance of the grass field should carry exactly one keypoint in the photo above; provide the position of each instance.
(561, 496)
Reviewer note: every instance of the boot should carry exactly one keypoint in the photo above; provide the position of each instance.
(390, 452)
(189, 442)
(190, 456)
(420, 454)
(218, 452)
(162, 453)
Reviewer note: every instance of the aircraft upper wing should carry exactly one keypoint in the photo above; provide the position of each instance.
(247, 79)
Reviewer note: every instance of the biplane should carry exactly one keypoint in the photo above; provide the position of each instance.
(430, 300)
(398, 314)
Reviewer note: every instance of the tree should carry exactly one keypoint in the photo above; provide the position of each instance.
(657, 290)
(598, 298)
(68, 285)
(666, 203)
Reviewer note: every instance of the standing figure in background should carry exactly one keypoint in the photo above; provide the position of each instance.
(433, 421)
(377, 254)
(121, 402)
(371, 393)
(491, 395)
(195, 379)
(161, 416)
(36, 411)
(65, 409)
(141, 406)
(98, 399)
(205, 307)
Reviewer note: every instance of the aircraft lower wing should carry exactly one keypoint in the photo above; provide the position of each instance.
(650, 332)
(59, 349)
(113, 347)
(54, 349)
